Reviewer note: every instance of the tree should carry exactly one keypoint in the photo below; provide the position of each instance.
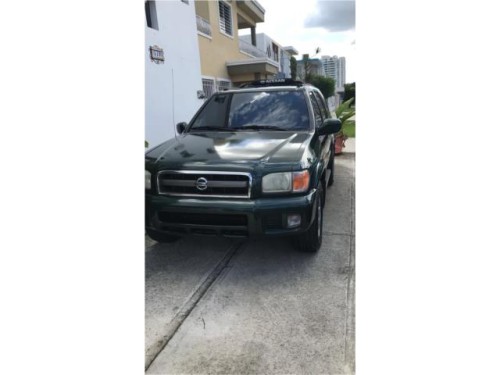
(293, 67)
(325, 84)
(350, 92)
(308, 66)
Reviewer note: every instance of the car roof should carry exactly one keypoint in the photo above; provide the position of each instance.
(274, 84)
(264, 88)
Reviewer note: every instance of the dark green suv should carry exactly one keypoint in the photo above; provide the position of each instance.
(253, 161)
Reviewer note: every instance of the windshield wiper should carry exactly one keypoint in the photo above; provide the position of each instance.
(259, 127)
(218, 128)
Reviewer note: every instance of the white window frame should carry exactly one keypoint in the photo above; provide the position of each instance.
(205, 23)
(223, 31)
(218, 81)
(214, 86)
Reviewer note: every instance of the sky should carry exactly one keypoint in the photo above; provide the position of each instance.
(308, 24)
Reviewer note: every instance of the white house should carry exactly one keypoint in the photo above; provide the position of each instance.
(273, 51)
(172, 67)
(286, 55)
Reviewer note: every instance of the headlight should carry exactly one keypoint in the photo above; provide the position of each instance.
(286, 182)
(277, 182)
(148, 180)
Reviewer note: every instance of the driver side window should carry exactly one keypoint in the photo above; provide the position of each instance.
(322, 105)
(318, 117)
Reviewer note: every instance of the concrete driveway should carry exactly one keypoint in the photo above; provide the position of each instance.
(222, 306)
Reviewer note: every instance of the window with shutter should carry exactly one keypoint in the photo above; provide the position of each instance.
(225, 18)
(223, 85)
(208, 87)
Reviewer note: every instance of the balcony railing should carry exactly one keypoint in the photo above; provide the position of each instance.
(203, 26)
(251, 49)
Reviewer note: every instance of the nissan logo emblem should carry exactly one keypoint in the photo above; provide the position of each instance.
(201, 184)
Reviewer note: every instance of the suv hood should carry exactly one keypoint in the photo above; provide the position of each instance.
(234, 147)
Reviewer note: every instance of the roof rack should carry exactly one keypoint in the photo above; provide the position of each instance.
(273, 82)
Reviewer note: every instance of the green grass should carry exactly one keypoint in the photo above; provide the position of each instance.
(350, 129)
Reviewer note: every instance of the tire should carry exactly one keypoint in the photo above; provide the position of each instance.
(310, 241)
(162, 237)
(331, 166)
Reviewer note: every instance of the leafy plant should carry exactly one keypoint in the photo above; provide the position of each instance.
(350, 92)
(325, 84)
(344, 112)
(349, 129)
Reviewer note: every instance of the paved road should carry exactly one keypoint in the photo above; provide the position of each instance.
(216, 305)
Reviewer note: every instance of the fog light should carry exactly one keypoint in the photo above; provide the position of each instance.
(294, 220)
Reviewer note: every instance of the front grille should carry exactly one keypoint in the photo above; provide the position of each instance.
(202, 219)
(271, 222)
(199, 183)
(204, 224)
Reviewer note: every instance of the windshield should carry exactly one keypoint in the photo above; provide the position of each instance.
(262, 110)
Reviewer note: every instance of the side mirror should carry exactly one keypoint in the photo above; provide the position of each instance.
(181, 127)
(330, 126)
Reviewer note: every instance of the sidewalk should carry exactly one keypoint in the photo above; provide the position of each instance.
(350, 146)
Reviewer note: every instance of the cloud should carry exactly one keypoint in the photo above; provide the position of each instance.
(334, 15)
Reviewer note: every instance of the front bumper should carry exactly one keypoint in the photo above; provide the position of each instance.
(228, 217)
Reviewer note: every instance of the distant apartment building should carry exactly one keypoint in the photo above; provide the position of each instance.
(335, 68)
(274, 51)
(172, 67)
(341, 72)
(226, 60)
(330, 65)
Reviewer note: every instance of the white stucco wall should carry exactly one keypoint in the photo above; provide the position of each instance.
(171, 87)
(260, 40)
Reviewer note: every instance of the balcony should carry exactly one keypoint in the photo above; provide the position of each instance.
(253, 9)
(262, 65)
(203, 26)
(250, 49)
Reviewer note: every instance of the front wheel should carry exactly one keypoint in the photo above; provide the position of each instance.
(310, 241)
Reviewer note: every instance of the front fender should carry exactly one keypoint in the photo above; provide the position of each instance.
(319, 169)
